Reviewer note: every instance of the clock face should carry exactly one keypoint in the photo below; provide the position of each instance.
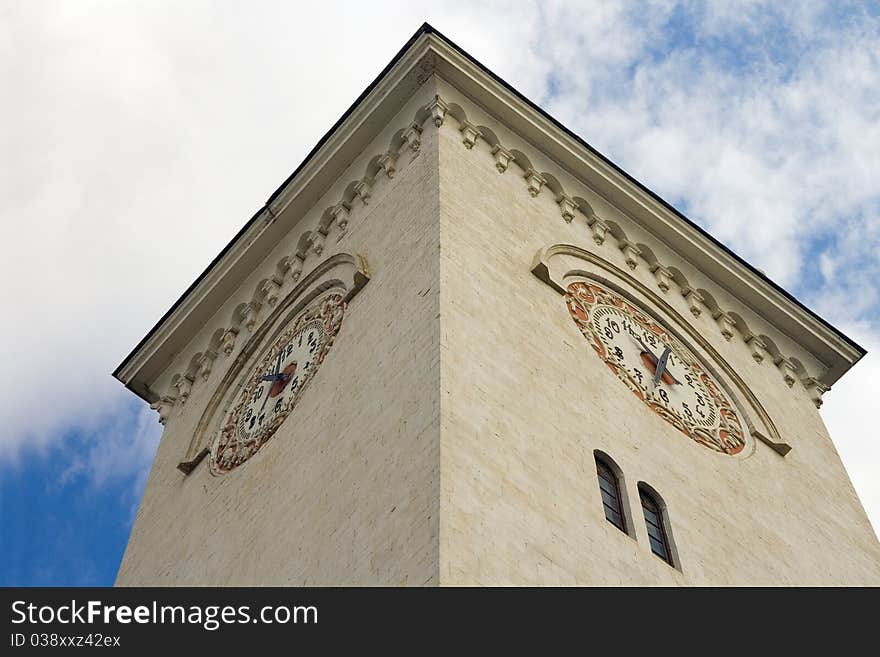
(272, 389)
(656, 366)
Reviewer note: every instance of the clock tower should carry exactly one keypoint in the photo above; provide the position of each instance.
(459, 346)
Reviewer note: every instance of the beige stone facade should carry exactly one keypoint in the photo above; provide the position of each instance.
(449, 436)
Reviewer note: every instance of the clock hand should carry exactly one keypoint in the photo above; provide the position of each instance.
(643, 347)
(661, 365)
(275, 376)
(657, 366)
(662, 370)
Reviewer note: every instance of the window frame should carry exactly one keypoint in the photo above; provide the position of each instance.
(649, 500)
(603, 464)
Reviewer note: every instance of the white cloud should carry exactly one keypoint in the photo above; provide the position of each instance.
(136, 138)
(117, 449)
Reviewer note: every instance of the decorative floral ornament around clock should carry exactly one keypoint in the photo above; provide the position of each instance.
(656, 367)
(274, 387)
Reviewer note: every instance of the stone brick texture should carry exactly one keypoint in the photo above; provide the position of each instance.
(448, 438)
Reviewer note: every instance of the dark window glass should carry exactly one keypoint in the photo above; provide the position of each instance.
(609, 500)
(654, 524)
(610, 490)
(607, 486)
(613, 517)
(658, 548)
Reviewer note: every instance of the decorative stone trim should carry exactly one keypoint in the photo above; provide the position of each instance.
(694, 300)
(250, 315)
(318, 242)
(816, 389)
(727, 324)
(757, 347)
(663, 276)
(438, 109)
(206, 363)
(567, 207)
(363, 190)
(631, 253)
(535, 182)
(228, 340)
(270, 290)
(469, 134)
(503, 158)
(312, 240)
(184, 387)
(289, 269)
(164, 407)
(599, 229)
(413, 137)
(386, 162)
(789, 371)
(340, 214)
(293, 265)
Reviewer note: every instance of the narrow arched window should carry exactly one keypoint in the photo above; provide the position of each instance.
(609, 486)
(654, 521)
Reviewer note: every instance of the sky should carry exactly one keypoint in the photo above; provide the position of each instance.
(136, 138)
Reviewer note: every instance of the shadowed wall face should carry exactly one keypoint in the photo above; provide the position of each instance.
(347, 489)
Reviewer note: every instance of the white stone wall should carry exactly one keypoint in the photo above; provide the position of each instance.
(525, 402)
(448, 438)
(347, 491)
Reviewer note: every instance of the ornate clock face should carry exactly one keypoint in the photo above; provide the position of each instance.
(272, 389)
(656, 366)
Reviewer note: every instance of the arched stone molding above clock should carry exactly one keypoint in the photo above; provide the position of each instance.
(342, 272)
(561, 264)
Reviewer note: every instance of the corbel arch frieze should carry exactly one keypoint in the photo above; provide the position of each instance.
(571, 203)
(344, 272)
(333, 220)
(560, 264)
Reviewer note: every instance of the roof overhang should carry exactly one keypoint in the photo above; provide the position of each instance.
(426, 53)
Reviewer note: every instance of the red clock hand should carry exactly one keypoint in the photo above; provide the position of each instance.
(282, 380)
